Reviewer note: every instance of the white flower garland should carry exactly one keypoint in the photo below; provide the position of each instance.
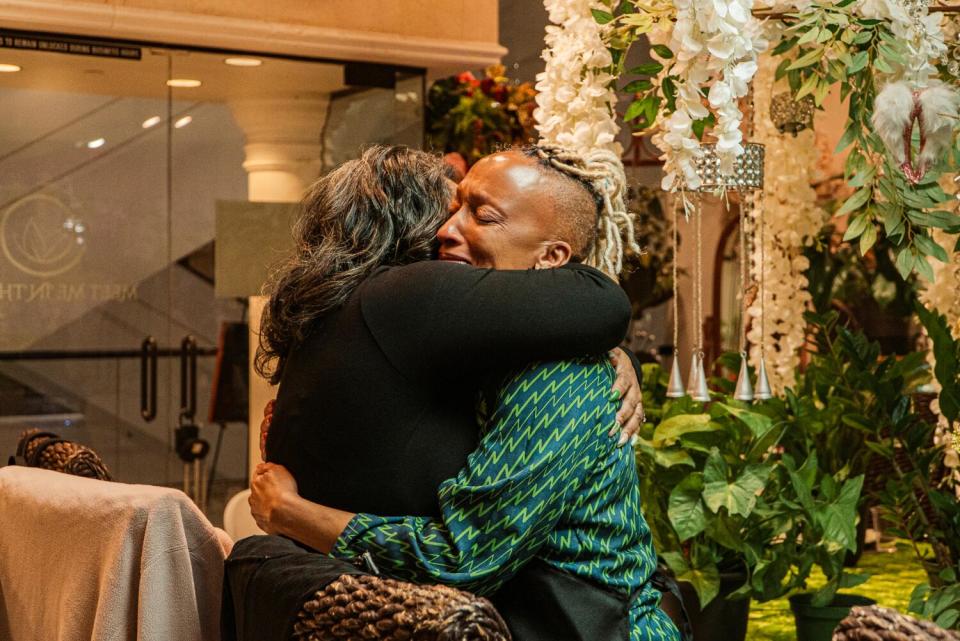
(575, 102)
(912, 23)
(792, 221)
(716, 44)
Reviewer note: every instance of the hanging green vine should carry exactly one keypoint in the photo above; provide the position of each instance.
(829, 45)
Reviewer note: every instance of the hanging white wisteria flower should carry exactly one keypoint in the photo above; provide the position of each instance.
(716, 43)
(792, 221)
(919, 30)
(575, 99)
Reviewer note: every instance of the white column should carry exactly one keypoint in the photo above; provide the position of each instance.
(283, 157)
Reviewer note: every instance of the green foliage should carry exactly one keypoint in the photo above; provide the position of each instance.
(629, 23)
(829, 45)
(854, 406)
(939, 604)
(946, 352)
(721, 494)
(849, 394)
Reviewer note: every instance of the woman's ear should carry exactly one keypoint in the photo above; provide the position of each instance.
(555, 253)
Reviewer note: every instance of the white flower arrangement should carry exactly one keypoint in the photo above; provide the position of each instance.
(792, 221)
(575, 100)
(716, 43)
(917, 28)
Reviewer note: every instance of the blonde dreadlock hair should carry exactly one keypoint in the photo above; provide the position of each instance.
(601, 172)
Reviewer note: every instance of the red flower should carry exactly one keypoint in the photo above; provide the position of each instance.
(467, 78)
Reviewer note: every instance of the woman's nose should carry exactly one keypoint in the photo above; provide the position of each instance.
(449, 234)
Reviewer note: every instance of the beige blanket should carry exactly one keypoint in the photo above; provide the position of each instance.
(86, 560)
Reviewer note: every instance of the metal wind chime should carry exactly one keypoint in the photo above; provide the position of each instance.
(746, 179)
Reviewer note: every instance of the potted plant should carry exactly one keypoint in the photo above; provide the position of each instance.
(732, 514)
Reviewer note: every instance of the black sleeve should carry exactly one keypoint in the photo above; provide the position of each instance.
(636, 365)
(451, 320)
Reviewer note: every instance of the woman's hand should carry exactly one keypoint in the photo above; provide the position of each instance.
(631, 415)
(272, 491)
(265, 427)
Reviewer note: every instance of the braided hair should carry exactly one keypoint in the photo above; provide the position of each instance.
(600, 172)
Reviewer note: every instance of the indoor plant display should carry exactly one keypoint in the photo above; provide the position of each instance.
(732, 512)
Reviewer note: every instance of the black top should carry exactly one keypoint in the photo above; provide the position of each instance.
(376, 408)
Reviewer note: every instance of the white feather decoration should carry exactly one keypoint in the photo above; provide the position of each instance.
(934, 108)
(893, 109)
(939, 105)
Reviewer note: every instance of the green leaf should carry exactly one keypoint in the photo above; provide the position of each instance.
(700, 126)
(673, 428)
(849, 135)
(859, 62)
(821, 92)
(602, 17)
(856, 201)
(905, 261)
(739, 496)
(785, 45)
(662, 50)
(646, 69)
(882, 65)
(929, 247)
(867, 239)
(758, 423)
(670, 458)
(637, 86)
(685, 508)
(809, 36)
(924, 268)
(946, 352)
(635, 109)
(940, 219)
(858, 224)
(891, 54)
(705, 581)
(811, 57)
(808, 86)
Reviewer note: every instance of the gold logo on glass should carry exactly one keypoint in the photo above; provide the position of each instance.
(41, 236)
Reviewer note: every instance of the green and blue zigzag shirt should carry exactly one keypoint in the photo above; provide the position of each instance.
(545, 481)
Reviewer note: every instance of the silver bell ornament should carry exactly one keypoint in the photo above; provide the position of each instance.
(701, 392)
(675, 386)
(692, 381)
(744, 390)
(763, 383)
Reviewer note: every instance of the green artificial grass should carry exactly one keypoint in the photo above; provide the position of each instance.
(893, 576)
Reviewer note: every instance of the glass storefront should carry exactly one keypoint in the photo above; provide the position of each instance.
(112, 169)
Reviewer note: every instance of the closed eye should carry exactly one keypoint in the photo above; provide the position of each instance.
(488, 216)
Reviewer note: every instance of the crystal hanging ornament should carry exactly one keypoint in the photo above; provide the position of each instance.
(763, 383)
(790, 115)
(701, 392)
(747, 171)
(675, 387)
(744, 390)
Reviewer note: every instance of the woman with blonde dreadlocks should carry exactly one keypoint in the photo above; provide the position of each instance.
(542, 489)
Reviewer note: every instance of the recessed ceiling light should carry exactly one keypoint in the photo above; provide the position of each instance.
(183, 122)
(150, 122)
(187, 83)
(244, 62)
(96, 143)
(6, 68)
